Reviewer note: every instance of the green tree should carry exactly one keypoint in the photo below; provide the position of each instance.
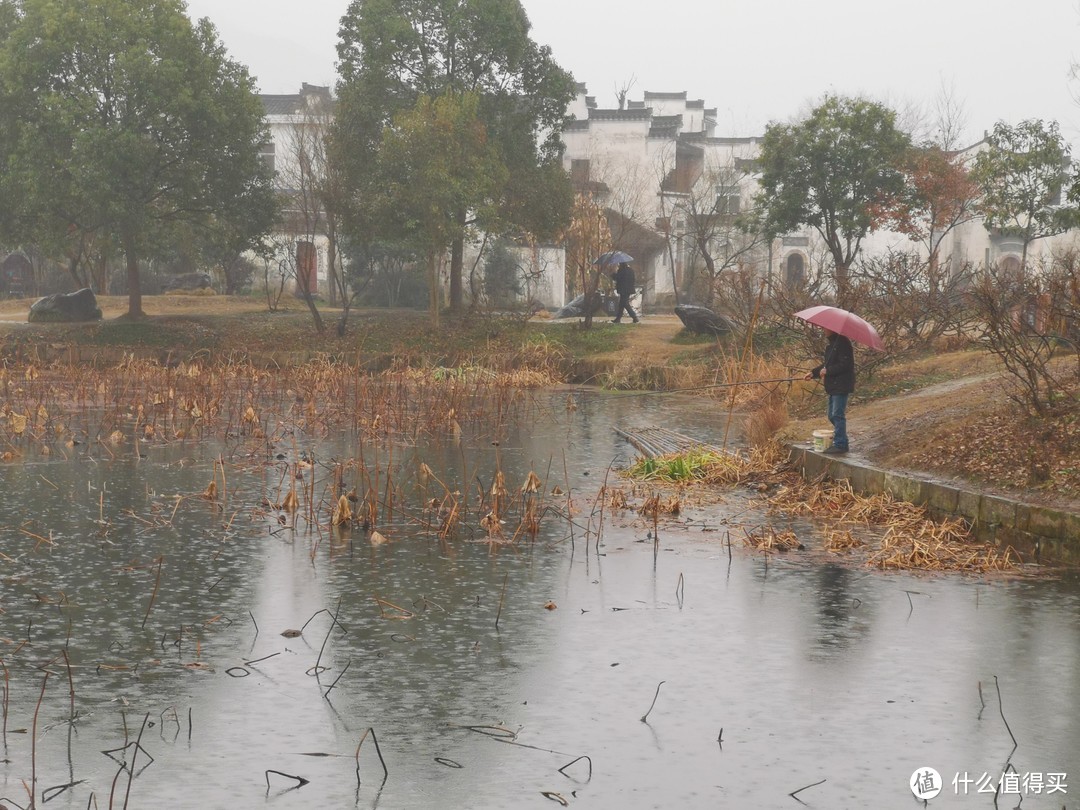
(833, 172)
(435, 159)
(1021, 173)
(391, 52)
(131, 123)
(223, 239)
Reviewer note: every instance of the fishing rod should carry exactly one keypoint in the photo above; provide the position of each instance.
(702, 387)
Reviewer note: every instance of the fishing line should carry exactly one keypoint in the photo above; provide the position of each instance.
(695, 388)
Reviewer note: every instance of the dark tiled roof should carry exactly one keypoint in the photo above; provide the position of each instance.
(696, 104)
(665, 131)
(620, 115)
(295, 102)
(732, 141)
(674, 96)
(280, 105)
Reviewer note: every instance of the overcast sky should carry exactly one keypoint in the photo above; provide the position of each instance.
(756, 61)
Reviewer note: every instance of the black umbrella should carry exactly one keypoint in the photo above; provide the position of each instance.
(613, 257)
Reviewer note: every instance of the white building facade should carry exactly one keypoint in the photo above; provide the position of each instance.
(658, 160)
(296, 152)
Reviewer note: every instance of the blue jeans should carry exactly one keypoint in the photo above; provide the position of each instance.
(838, 417)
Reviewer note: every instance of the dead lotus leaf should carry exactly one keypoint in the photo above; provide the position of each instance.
(378, 539)
(291, 633)
(342, 512)
(291, 502)
(532, 483)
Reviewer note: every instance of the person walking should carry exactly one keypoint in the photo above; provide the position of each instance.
(837, 371)
(624, 286)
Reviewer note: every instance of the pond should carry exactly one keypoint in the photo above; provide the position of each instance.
(688, 672)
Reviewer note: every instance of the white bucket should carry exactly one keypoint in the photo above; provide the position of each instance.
(822, 440)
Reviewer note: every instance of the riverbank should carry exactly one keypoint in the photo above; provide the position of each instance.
(946, 416)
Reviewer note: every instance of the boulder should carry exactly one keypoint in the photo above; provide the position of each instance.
(186, 282)
(703, 320)
(66, 308)
(576, 308)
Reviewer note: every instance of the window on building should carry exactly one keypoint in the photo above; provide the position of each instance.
(266, 152)
(727, 199)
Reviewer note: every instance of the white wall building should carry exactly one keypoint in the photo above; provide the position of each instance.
(297, 123)
(647, 161)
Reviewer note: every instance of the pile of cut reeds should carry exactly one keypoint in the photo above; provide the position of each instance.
(768, 539)
(912, 540)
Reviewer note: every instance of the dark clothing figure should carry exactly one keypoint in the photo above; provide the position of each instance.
(838, 365)
(838, 370)
(624, 286)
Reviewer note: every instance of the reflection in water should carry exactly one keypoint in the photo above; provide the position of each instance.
(815, 671)
(837, 625)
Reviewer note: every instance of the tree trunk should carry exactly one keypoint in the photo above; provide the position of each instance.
(433, 292)
(309, 299)
(135, 309)
(102, 275)
(315, 316)
(457, 270)
(841, 263)
(671, 263)
(73, 268)
(331, 260)
(843, 287)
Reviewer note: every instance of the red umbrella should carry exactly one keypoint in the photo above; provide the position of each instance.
(843, 323)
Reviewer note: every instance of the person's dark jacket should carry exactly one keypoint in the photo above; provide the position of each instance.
(624, 280)
(839, 365)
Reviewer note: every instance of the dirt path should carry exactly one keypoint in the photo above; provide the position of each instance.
(650, 340)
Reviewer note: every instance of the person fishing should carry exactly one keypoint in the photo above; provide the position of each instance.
(624, 286)
(837, 371)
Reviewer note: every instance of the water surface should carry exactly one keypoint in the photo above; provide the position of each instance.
(776, 673)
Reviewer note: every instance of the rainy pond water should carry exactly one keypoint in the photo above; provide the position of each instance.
(559, 672)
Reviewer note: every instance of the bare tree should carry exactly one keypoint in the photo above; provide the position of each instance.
(311, 210)
(1007, 303)
(279, 265)
(718, 232)
(587, 237)
(622, 91)
(910, 307)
